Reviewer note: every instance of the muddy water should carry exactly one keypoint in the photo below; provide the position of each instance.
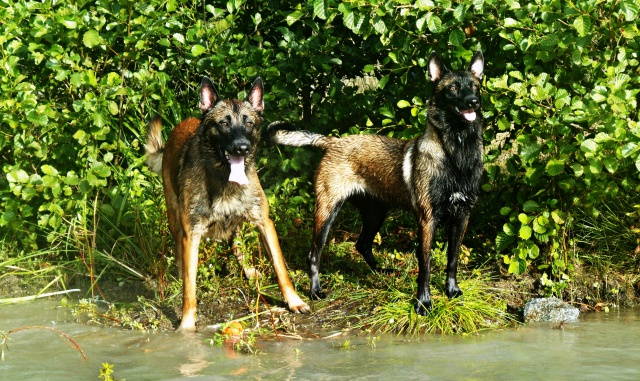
(598, 347)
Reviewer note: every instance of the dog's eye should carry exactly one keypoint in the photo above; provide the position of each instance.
(453, 88)
(222, 123)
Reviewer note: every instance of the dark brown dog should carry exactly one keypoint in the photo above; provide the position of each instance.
(437, 175)
(211, 186)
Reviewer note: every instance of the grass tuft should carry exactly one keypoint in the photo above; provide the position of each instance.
(478, 309)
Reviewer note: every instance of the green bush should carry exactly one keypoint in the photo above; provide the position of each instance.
(79, 79)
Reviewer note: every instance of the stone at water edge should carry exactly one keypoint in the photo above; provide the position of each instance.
(549, 310)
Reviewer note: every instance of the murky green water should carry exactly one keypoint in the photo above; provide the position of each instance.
(598, 347)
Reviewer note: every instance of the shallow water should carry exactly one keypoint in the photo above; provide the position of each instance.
(599, 346)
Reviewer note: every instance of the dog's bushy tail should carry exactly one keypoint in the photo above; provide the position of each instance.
(154, 145)
(284, 133)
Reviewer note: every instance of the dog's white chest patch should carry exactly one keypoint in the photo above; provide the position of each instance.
(457, 197)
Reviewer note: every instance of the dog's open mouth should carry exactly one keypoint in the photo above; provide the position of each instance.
(469, 114)
(237, 174)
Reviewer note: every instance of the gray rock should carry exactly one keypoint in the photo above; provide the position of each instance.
(549, 310)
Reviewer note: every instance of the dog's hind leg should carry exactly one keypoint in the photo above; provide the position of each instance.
(457, 229)
(326, 210)
(372, 219)
(190, 242)
(426, 231)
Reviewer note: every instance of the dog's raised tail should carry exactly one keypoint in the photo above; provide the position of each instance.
(285, 133)
(154, 145)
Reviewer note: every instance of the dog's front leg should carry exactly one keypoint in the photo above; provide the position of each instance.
(426, 230)
(457, 228)
(269, 239)
(190, 243)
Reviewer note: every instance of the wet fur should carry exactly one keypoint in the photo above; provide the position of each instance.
(201, 201)
(437, 175)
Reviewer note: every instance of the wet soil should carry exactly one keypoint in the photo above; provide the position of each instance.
(135, 304)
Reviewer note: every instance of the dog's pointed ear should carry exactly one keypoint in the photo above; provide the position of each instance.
(476, 66)
(256, 95)
(436, 67)
(208, 95)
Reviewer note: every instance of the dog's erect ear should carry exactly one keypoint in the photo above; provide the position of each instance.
(256, 95)
(476, 67)
(436, 67)
(208, 95)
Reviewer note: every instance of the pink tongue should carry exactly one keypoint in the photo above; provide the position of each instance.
(237, 174)
(469, 115)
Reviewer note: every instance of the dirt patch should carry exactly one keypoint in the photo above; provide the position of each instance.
(135, 304)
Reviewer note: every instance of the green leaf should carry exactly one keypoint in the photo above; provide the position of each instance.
(511, 23)
(530, 206)
(582, 25)
(503, 241)
(387, 111)
(379, 25)
(558, 217)
(457, 37)
(505, 210)
(69, 24)
(555, 167)
(403, 104)
(509, 229)
(383, 81)
(459, 12)
(293, 17)
(81, 137)
(525, 232)
(38, 119)
(320, 9)
(629, 9)
(102, 170)
(589, 145)
(91, 38)
(630, 149)
(49, 170)
(197, 50)
(434, 24)
(611, 164)
(18, 176)
(517, 265)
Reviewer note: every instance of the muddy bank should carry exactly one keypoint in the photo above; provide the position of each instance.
(134, 304)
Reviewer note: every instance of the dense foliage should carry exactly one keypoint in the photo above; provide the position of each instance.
(78, 80)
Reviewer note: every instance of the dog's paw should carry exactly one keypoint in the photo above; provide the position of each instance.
(300, 309)
(454, 293)
(452, 290)
(423, 309)
(296, 305)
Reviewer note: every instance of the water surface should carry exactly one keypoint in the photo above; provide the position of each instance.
(599, 346)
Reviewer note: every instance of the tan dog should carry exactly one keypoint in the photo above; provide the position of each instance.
(211, 186)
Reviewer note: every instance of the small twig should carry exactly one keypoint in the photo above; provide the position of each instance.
(69, 339)
(273, 319)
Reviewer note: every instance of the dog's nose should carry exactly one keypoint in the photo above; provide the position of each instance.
(241, 148)
(473, 102)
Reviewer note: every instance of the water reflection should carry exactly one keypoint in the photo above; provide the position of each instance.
(599, 346)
